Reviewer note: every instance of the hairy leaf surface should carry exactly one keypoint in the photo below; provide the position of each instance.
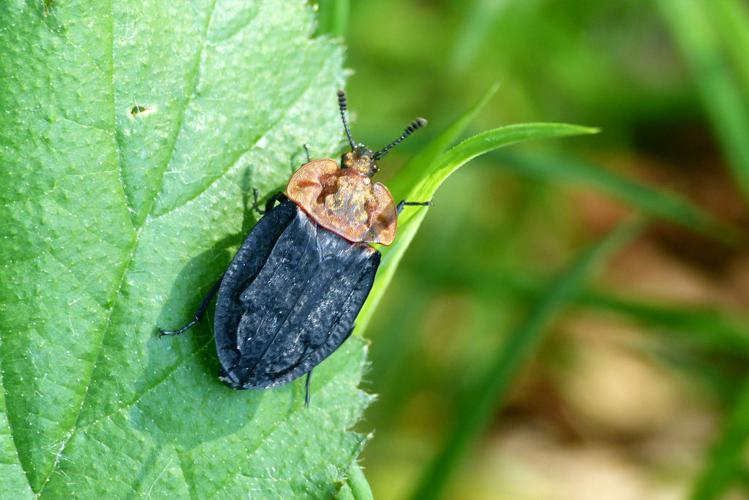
(130, 136)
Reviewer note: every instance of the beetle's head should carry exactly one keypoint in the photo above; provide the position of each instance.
(361, 158)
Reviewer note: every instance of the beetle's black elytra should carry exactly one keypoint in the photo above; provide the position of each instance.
(291, 294)
(289, 298)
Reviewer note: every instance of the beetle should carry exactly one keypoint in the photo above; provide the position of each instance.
(292, 292)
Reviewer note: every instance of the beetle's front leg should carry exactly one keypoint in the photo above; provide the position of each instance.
(279, 196)
(294, 161)
(405, 203)
(306, 152)
(198, 314)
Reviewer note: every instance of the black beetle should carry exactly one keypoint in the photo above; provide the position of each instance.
(291, 294)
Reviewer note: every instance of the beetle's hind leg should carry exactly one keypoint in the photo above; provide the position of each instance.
(198, 314)
(405, 203)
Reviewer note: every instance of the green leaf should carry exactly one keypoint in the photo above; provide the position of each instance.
(130, 134)
(434, 169)
(521, 344)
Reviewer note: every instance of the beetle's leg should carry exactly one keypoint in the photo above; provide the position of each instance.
(256, 203)
(306, 151)
(278, 197)
(405, 203)
(293, 161)
(268, 204)
(198, 314)
(306, 389)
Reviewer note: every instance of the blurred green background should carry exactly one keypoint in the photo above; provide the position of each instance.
(634, 386)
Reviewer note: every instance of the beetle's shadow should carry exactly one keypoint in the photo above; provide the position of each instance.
(190, 286)
(199, 275)
(249, 216)
(193, 376)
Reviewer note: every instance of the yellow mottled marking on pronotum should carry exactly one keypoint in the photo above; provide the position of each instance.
(345, 201)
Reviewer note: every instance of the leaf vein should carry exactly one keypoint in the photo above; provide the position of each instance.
(233, 163)
(148, 389)
(190, 485)
(129, 260)
(13, 433)
(84, 286)
(294, 410)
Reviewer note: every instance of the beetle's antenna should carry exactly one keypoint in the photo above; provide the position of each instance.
(342, 107)
(413, 127)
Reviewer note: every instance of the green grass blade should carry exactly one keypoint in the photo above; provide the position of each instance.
(356, 486)
(726, 107)
(713, 327)
(719, 329)
(345, 493)
(521, 344)
(478, 19)
(479, 144)
(414, 170)
(432, 176)
(731, 18)
(659, 203)
(725, 460)
(333, 17)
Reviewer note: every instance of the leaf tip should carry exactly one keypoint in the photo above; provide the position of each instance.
(583, 129)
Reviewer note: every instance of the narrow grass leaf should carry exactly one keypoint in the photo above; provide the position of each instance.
(721, 330)
(333, 17)
(490, 392)
(481, 143)
(699, 43)
(410, 175)
(356, 486)
(726, 458)
(655, 202)
(478, 18)
(433, 175)
(731, 18)
(413, 171)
